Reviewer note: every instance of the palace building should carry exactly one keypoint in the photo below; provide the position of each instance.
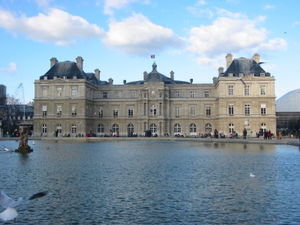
(71, 102)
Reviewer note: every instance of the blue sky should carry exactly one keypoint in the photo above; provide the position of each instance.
(189, 37)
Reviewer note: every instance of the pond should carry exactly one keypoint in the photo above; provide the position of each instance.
(148, 182)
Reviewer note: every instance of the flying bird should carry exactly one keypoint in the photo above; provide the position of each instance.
(252, 175)
(10, 204)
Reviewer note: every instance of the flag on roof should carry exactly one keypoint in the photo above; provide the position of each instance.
(152, 56)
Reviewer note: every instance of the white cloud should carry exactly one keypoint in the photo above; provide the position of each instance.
(12, 68)
(225, 35)
(56, 26)
(232, 32)
(138, 35)
(111, 5)
(273, 44)
(296, 23)
(267, 7)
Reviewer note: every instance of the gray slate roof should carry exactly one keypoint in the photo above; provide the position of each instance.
(246, 67)
(155, 76)
(69, 70)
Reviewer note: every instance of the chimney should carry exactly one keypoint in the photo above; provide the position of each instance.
(97, 74)
(79, 62)
(172, 75)
(221, 70)
(191, 80)
(145, 75)
(53, 61)
(256, 57)
(110, 81)
(124, 81)
(228, 60)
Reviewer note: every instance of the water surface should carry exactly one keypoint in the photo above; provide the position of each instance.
(140, 182)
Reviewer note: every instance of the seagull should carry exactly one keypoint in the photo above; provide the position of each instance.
(252, 175)
(10, 204)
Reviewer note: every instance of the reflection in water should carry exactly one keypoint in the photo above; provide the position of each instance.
(156, 183)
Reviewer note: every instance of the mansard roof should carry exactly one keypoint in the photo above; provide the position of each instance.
(69, 70)
(244, 66)
(155, 76)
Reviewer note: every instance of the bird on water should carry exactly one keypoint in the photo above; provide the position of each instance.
(10, 204)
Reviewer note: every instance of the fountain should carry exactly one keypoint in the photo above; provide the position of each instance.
(23, 144)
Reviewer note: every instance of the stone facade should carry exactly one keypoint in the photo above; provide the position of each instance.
(69, 101)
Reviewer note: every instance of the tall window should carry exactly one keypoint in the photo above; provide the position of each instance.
(262, 89)
(74, 110)
(192, 111)
(73, 128)
(100, 128)
(206, 93)
(193, 128)
(115, 113)
(59, 110)
(59, 91)
(177, 128)
(153, 110)
(263, 109)
(177, 111)
(230, 89)
(45, 91)
(263, 126)
(231, 128)
(130, 112)
(153, 128)
(230, 110)
(59, 128)
(247, 110)
(177, 94)
(192, 94)
(44, 128)
(44, 110)
(115, 128)
(246, 90)
(208, 128)
(104, 94)
(74, 91)
(208, 111)
(130, 129)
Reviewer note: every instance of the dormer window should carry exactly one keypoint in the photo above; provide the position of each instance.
(262, 74)
(45, 78)
(74, 77)
(55, 77)
(230, 74)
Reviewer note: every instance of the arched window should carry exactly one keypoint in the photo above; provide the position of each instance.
(100, 128)
(177, 128)
(231, 128)
(193, 128)
(208, 128)
(130, 129)
(115, 128)
(153, 128)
